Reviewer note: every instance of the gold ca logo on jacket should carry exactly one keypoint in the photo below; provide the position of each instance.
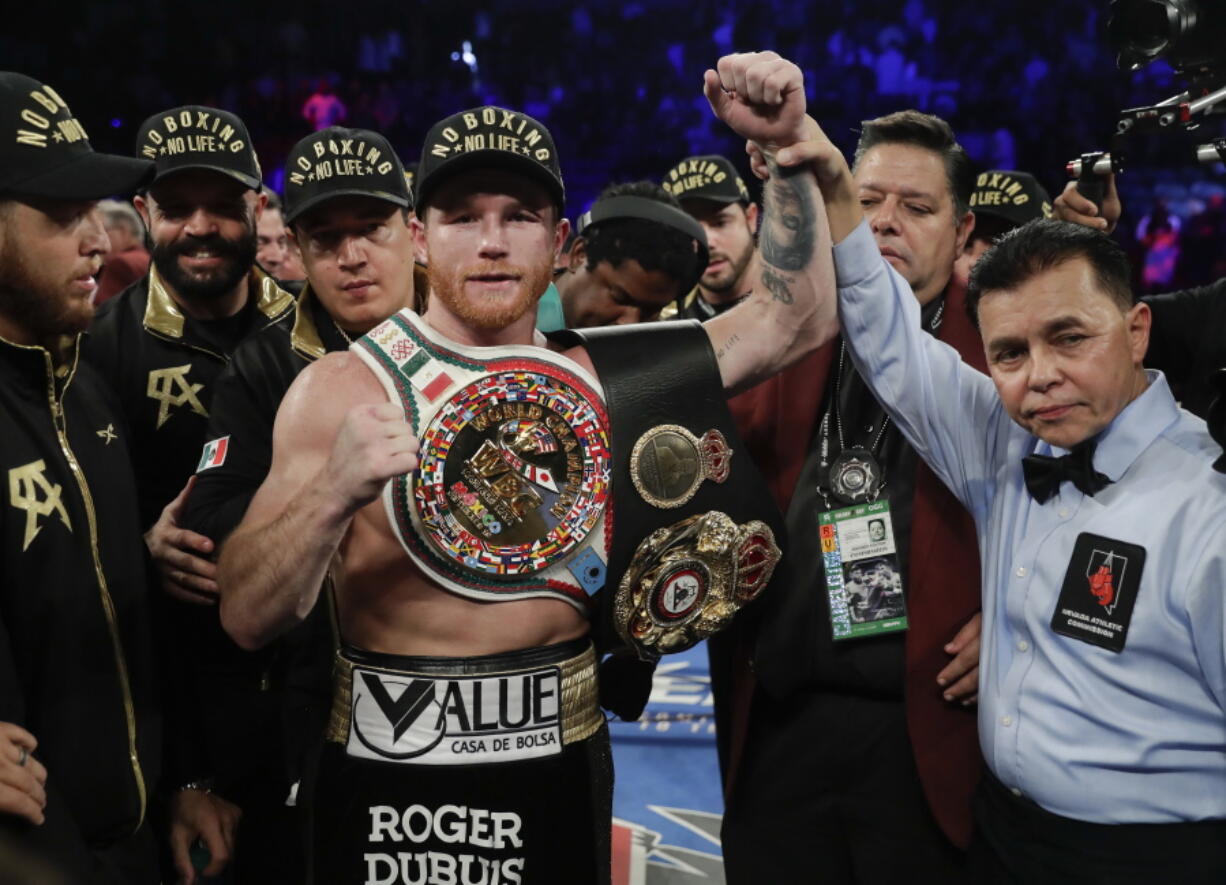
(30, 490)
(170, 387)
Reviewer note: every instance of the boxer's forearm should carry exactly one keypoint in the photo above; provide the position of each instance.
(793, 310)
(270, 574)
(843, 211)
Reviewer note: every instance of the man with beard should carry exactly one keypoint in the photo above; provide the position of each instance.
(465, 738)
(353, 229)
(635, 254)
(79, 735)
(162, 344)
(710, 189)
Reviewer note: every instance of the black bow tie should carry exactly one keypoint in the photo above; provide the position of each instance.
(1043, 473)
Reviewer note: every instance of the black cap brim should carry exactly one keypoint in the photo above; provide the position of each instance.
(721, 199)
(1004, 220)
(88, 176)
(320, 199)
(487, 159)
(240, 177)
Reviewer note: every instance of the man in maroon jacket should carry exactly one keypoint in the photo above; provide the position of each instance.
(849, 750)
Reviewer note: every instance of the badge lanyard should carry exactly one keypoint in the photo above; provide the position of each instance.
(854, 476)
(859, 551)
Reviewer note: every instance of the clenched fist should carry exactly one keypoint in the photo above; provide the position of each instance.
(374, 444)
(761, 96)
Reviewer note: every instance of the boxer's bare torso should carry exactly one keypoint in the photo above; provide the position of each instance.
(384, 601)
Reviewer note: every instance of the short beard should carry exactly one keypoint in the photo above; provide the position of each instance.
(44, 315)
(448, 288)
(239, 257)
(736, 269)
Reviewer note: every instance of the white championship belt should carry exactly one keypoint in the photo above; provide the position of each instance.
(509, 500)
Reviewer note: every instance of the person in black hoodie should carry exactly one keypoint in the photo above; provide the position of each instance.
(79, 730)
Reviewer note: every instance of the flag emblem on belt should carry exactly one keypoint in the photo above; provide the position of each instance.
(427, 375)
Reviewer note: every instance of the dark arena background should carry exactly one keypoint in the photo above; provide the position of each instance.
(1025, 85)
(1047, 87)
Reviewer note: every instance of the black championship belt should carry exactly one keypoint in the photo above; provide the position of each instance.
(695, 531)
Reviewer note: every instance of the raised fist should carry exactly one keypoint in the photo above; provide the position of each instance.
(761, 96)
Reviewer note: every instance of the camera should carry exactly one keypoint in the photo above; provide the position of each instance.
(1187, 33)
(1190, 35)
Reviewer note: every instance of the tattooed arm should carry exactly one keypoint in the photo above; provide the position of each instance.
(793, 311)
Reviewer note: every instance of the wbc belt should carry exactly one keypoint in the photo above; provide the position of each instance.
(521, 705)
(510, 497)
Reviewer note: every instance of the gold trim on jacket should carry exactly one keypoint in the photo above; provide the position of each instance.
(163, 315)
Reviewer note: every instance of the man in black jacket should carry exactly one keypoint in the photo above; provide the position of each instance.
(161, 344)
(75, 693)
(352, 230)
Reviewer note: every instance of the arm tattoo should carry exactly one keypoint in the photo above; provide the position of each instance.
(727, 345)
(778, 286)
(789, 226)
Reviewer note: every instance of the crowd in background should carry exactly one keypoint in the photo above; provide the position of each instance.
(396, 67)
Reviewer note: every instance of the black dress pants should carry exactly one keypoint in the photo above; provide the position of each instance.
(1019, 843)
(828, 792)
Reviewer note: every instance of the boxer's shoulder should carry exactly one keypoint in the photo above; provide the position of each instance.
(325, 391)
(336, 375)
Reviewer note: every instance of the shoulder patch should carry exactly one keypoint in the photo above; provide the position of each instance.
(214, 454)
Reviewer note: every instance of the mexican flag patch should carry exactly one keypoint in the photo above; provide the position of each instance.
(214, 454)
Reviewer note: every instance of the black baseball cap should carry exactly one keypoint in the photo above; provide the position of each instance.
(44, 151)
(1011, 196)
(707, 177)
(197, 137)
(489, 136)
(339, 162)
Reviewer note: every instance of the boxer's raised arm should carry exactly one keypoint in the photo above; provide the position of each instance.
(336, 442)
(761, 97)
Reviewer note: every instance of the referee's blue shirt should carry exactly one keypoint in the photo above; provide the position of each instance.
(1137, 736)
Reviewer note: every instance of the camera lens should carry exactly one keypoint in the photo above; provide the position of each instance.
(1188, 33)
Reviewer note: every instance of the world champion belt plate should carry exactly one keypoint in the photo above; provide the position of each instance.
(514, 469)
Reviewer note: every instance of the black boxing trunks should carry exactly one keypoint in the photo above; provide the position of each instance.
(491, 770)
